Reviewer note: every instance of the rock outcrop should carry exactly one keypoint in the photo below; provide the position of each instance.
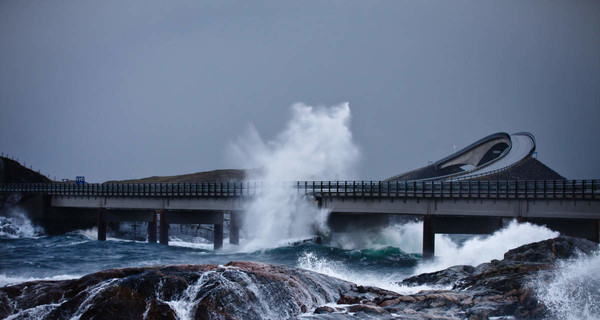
(238, 290)
(500, 288)
(251, 290)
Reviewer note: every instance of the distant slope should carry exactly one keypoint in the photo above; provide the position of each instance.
(13, 172)
(218, 176)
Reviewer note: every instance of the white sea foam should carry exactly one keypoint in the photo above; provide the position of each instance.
(198, 243)
(477, 250)
(408, 237)
(16, 225)
(315, 144)
(338, 269)
(482, 249)
(91, 233)
(573, 290)
(11, 280)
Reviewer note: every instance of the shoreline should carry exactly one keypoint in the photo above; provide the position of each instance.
(499, 288)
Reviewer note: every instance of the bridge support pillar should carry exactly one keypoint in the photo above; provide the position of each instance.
(218, 236)
(101, 225)
(152, 226)
(164, 228)
(234, 227)
(428, 238)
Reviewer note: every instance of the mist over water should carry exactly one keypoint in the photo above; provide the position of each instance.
(315, 144)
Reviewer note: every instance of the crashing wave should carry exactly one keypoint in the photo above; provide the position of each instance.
(16, 226)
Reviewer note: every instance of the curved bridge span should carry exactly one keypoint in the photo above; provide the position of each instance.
(490, 155)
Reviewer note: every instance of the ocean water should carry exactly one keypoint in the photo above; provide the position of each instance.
(381, 259)
(316, 143)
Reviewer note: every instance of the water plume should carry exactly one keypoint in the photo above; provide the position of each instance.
(315, 144)
(17, 225)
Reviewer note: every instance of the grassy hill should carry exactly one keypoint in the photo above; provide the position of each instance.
(207, 176)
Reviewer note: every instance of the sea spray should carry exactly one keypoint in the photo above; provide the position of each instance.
(482, 249)
(315, 144)
(361, 276)
(17, 225)
(573, 290)
(408, 238)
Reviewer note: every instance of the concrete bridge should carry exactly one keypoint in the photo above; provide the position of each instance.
(571, 207)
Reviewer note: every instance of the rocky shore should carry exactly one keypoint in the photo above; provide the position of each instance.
(501, 289)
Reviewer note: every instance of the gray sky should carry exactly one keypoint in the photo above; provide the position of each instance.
(115, 89)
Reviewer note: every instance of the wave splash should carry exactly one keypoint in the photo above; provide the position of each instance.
(573, 290)
(315, 144)
(17, 226)
(482, 249)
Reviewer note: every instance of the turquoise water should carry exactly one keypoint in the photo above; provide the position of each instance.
(77, 254)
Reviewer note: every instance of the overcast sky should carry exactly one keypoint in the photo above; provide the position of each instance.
(127, 89)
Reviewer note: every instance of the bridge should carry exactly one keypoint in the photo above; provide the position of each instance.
(571, 207)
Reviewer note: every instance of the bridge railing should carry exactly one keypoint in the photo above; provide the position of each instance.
(486, 189)
(515, 189)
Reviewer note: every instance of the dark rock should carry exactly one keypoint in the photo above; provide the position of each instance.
(367, 309)
(240, 290)
(440, 278)
(548, 251)
(497, 289)
(324, 310)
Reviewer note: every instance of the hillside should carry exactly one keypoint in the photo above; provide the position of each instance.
(218, 176)
(13, 172)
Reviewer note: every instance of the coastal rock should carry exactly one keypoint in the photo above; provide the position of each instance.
(440, 278)
(238, 290)
(499, 288)
(250, 290)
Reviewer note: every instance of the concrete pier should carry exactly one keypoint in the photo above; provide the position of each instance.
(218, 240)
(101, 225)
(234, 227)
(168, 217)
(152, 228)
(428, 238)
(164, 228)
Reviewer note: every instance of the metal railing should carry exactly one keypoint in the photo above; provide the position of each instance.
(485, 189)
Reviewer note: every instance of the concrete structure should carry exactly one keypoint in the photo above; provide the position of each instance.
(571, 207)
(492, 154)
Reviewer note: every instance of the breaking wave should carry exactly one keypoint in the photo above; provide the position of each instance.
(17, 225)
(572, 291)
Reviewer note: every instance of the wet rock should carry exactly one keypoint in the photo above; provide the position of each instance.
(239, 290)
(440, 278)
(367, 309)
(324, 310)
(498, 289)
(548, 251)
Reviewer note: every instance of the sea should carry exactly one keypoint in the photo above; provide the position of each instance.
(380, 259)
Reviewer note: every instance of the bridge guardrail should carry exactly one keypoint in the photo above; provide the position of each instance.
(486, 189)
